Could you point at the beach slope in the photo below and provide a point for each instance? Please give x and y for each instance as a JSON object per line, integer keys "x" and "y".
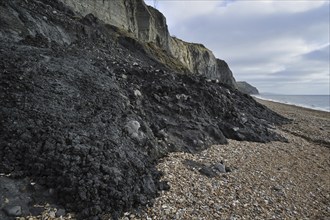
{"x": 267, "y": 181}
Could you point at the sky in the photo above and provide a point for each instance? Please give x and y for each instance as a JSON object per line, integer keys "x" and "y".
{"x": 279, "y": 46}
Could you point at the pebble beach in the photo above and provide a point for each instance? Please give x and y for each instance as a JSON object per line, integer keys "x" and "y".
{"x": 274, "y": 180}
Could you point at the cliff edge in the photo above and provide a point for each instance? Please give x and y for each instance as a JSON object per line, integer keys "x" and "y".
{"x": 149, "y": 26}
{"x": 247, "y": 88}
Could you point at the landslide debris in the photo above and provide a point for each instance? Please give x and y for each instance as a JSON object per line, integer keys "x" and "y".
{"x": 86, "y": 112}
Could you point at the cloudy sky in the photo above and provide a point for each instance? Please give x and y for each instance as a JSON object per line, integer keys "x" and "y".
{"x": 279, "y": 46}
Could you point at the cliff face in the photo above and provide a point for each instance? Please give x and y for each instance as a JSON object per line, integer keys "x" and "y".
{"x": 149, "y": 25}
{"x": 144, "y": 22}
{"x": 225, "y": 74}
{"x": 247, "y": 88}
{"x": 87, "y": 112}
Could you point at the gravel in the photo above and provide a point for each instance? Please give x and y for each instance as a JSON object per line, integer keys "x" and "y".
{"x": 268, "y": 181}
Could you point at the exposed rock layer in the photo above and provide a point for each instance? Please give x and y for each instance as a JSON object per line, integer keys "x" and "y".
{"x": 87, "y": 113}
{"x": 149, "y": 25}
{"x": 247, "y": 88}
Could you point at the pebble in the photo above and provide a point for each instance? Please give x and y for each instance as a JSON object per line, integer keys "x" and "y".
{"x": 207, "y": 171}
{"x": 60, "y": 212}
{"x": 220, "y": 167}
{"x": 137, "y": 93}
{"x": 252, "y": 191}
{"x": 52, "y": 214}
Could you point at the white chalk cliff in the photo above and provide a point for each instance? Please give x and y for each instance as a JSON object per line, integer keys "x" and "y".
{"x": 148, "y": 25}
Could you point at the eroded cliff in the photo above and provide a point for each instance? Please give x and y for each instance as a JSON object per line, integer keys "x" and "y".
{"x": 247, "y": 88}
{"x": 149, "y": 26}
{"x": 87, "y": 113}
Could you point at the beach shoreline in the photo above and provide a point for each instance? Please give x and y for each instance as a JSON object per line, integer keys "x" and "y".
{"x": 311, "y": 124}
{"x": 275, "y": 105}
{"x": 273, "y": 180}
{"x": 295, "y": 104}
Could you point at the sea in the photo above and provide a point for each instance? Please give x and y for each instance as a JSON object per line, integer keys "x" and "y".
{"x": 317, "y": 102}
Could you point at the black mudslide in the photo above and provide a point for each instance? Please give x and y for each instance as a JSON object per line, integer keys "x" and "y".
{"x": 87, "y": 113}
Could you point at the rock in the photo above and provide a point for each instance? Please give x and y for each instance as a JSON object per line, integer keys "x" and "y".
{"x": 201, "y": 61}
{"x": 14, "y": 211}
{"x": 247, "y": 88}
{"x": 224, "y": 74}
{"x": 193, "y": 164}
{"x": 60, "y": 212}
{"x": 52, "y": 214}
{"x": 35, "y": 211}
{"x": 207, "y": 171}
{"x": 162, "y": 134}
{"x": 123, "y": 76}
{"x": 244, "y": 120}
{"x": 181, "y": 97}
{"x": 228, "y": 169}
{"x": 277, "y": 188}
{"x": 163, "y": 186}
{"x": 137, "y": 93}
{"x": 220, "y": 167}
{"x": 132, "y": 127}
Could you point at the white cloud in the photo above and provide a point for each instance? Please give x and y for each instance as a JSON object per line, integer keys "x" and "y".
{"x": 296, "y": 6}
{"x": 184, "y": 10}
{"x": 281, "y": 42}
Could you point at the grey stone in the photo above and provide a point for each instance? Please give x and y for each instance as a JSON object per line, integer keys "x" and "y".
{"x": 220, "y": 167}
{"x": 244, "y": 120}
{"x": 123, "y": 76}
{"x": 60, "y": 212}
{"x": 228, "y": 169}
{"x": 182, "y": 97}
{"x": 137, "y": 93}
{"x": 13, "y": 210}
{"x": 132, "y": 127}
{"x": 36, "y": 210}
{"x": 277, "y": 188}
{"x": 207, "y": 171}
{"x": 52, "y": 214}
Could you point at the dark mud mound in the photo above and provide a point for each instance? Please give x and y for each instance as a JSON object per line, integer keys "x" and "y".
{"x": 88, "y": 117}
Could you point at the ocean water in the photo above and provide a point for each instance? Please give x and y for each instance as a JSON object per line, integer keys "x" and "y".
{"x": 317, "y": 102}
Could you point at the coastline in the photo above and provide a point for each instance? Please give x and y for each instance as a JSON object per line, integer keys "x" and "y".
{"x": 258, "y": 97}
{"x": 282, "y": 108}
{"x": 311, "y": 124}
